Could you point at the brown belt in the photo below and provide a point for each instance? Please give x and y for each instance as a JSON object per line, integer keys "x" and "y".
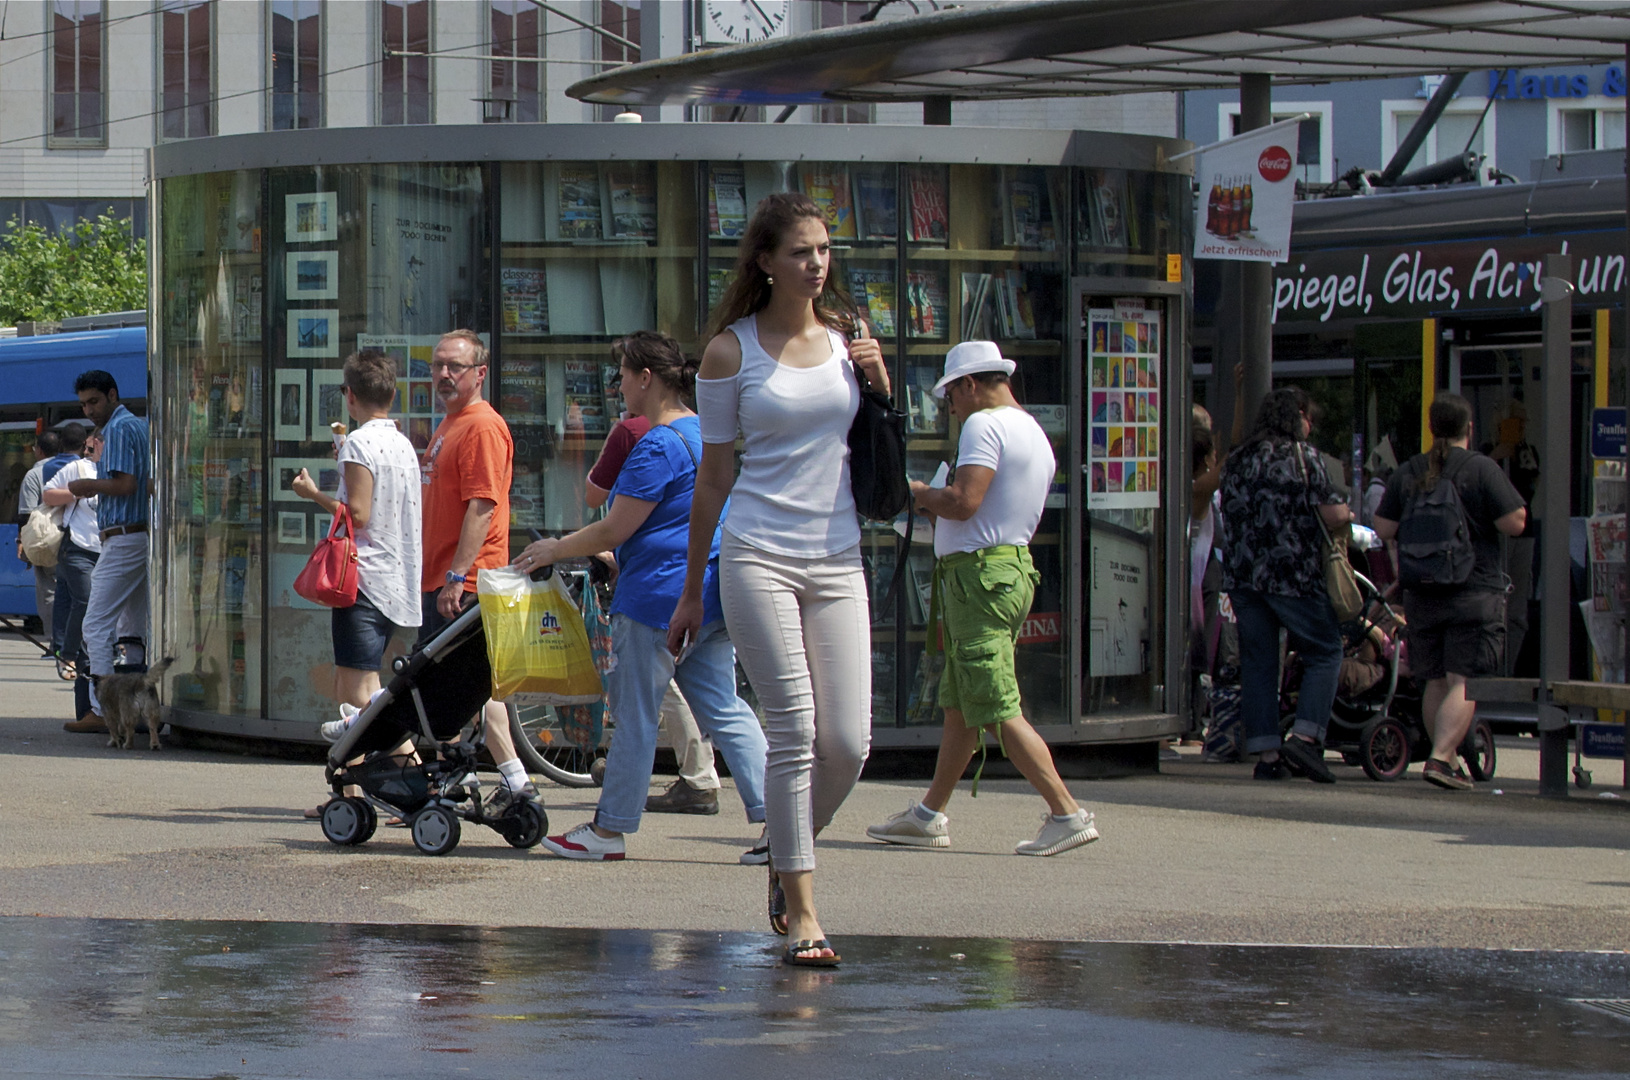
{"x": 121, "y": 530}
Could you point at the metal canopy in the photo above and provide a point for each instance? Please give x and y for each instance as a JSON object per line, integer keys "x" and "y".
{"x": 1079, "y": 48}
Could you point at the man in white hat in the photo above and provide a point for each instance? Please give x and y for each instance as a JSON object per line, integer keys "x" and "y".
{"x": 984, "y": 582}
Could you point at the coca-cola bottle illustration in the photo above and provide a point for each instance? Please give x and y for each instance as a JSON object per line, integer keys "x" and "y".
{"x": 1247, "y": 225}
{"x": 1214, "y": 207}
{"x": 1236, "y": 216}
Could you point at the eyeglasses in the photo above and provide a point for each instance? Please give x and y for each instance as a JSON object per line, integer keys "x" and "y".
{"x": 454, "y": 370}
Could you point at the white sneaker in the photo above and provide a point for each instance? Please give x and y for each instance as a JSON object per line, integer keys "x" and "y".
{"x": 1057, "y": 836}
{"x": 907, "y": 828}
{"x": 584, "y": 843}
{"x": 335, "y": 729}
{"x": 759, "y": 853}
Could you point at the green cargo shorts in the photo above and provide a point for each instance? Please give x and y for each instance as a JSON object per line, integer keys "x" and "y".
{"x": 984, "y": 597}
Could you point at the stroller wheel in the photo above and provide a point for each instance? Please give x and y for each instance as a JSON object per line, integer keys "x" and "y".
{"x": 349, "y": 821}
{"x": 1383, "y": 749}
{"x": 435, "y": 830}
{"x": 1478, "y": 751}
{"x": 526, "y": 826}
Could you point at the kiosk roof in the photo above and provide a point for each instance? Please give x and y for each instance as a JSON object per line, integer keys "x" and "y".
{"x": 1062, "y": 48}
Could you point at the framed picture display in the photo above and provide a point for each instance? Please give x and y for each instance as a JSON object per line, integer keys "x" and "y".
{"x": 1123, "y": 406}
{"x": 327, "y": 404}
{"x": 313, "y": 275}
{"x": 313, "y": 333}
{"x": 311, "y": 218}
{"x": 291, "y": 527}
{"x": 289, "y": 405}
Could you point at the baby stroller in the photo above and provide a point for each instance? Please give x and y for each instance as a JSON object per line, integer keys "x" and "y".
{"x": 1376, "y": 721}
{"x": 436, "y": 691}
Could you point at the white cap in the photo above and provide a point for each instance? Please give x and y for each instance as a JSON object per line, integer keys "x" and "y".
{"x": 970, "y": 357}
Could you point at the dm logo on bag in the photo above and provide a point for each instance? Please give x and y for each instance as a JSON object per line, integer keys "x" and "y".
{"x": 548, "y": 624}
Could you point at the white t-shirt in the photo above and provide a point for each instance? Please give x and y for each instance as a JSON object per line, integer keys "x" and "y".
{"x": 1010, "y": 442}
{"x": 79, "y": 516}
{"x": 389, "y": 552}
{"x": 792, "y": 496}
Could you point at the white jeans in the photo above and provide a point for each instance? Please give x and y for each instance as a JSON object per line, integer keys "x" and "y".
{"x": 802, "y": 631}
{"x": 118, "y": 588}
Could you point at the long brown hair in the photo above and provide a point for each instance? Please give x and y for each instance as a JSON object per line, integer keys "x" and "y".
{"x": 1448, "y": 418}
{"x": 749, "y": 288}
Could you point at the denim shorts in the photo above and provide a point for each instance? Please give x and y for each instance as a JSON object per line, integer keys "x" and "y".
{"x": 1461, "y": 632}
{"x": 985, "y": 597}
{"x": 361, "y": 633}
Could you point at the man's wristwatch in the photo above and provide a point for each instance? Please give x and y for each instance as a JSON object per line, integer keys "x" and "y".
{"x": 456, "y": 579}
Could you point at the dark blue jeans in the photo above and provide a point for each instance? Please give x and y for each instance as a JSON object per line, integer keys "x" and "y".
{"x": 1311, "y": 624}
{"x": 74, "y": 568}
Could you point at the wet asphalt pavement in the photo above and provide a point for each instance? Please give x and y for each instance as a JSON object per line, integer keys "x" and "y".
{"x": 150, "y": 999}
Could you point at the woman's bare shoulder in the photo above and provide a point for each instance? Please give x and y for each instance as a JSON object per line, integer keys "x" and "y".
{"x": 722, "y": 357}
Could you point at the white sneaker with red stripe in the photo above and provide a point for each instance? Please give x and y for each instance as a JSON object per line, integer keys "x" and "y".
{"x": 584, "y": 843}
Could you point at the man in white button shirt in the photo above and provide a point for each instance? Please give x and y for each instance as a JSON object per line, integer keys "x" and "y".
{"x": 984, "y": 582}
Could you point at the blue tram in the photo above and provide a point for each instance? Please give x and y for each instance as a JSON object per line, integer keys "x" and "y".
{"x": 37, "y": 391}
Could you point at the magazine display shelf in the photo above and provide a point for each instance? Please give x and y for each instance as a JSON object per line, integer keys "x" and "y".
{"x": 554, "y": 240}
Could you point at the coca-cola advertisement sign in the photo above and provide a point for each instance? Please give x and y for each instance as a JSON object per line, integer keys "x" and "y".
{"x": 1247, "y": 187}
{"x": 1274, "y": 164}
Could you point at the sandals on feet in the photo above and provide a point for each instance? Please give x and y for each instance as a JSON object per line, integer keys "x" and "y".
{"x": 778, "y": 904}
{"x": 790, "y": 957}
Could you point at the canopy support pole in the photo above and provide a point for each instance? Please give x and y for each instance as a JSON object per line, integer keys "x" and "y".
{"x": 1256, "y": 278}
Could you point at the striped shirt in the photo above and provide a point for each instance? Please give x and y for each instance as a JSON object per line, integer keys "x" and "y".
{"x": 125, "y": 449}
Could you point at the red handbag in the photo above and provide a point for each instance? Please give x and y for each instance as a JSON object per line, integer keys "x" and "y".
{"x": 330, "y": 576}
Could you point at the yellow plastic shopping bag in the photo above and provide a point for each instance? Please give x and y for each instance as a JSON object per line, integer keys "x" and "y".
{"x": 535, "y": 639}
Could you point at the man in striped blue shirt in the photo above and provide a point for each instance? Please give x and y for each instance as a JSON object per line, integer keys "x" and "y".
{"x": 118, "y": 599}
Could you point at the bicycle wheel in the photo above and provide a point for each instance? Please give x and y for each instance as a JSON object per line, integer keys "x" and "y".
{"x": 542, "y": 749}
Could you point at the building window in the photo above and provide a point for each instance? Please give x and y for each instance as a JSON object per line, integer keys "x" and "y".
{"x": 844, "y": 13}
{"x": 1590, "y": 123}
{"x": 1314, "y": 143}
{"x": 404, "y": 81}
{"x": 1463, "y": 126}
{"x": 187, "y": 77}
{"x": 297, "y": 64}
{"x": 515, "y": 92}
{"x": 620, "y": 17}
{"x": 78, "y": 113}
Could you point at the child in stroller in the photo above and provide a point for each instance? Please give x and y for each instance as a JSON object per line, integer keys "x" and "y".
{"x": 1376, "y": 721}
{"x": 436, "y": 691}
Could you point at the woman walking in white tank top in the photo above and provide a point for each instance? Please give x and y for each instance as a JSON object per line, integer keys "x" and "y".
{"x": 777, "y": 369}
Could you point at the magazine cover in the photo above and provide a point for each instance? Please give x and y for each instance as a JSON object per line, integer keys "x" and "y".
{"x": 875, "y": 209}
{"x": 928, "y": 308}
{"x": 873, "y": 294}
{"x": 828, "y": 185}
{"x": 1106, "y": 195}
{"x": 726, "y": 202}
{"x": 1024, "y": 211}
{"x": 925, "y": 188}
{"x": 525, "y": 300}
{"x": 718, "y": 279}
{"x": 580, "y": 202}
{"x": 584, "y": 400}
{"x": 633, "y": 200}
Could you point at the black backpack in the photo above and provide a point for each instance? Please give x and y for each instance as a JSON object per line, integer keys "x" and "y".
{"x": 1435, "y": 537}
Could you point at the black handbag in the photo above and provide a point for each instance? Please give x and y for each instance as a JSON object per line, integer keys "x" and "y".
{"x": 877, "y": 455}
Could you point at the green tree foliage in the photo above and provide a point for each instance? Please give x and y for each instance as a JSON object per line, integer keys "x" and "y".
{"x": 93, "y": 268}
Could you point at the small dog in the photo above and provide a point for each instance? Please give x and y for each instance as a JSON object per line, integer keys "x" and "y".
{"x": 130, "y": 700}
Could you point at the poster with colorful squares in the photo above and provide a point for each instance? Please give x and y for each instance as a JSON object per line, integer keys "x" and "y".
{"x": 1123, "y": 364}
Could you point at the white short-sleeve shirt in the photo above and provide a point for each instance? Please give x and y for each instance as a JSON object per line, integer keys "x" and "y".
{"x": 389, "y": 550}
{"x": 1009, "y": 442}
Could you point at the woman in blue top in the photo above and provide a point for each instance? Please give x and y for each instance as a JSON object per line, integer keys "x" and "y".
{"x": 649, "y": 523}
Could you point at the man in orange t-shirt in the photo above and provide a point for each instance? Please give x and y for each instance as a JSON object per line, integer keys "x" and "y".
{"x": 466, "y": 474}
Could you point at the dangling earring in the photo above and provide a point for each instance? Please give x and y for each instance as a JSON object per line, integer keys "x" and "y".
{"x": 768, "y": 280}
